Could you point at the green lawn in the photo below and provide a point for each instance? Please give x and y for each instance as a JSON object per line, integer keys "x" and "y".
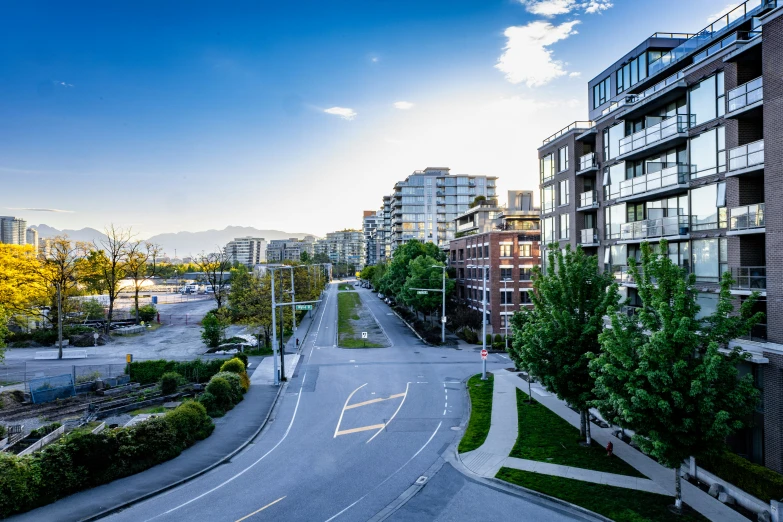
{"x": 348, "y": 305}
{"x": 259, "y": 351}
{"x": 620, "y": 504}
{"x": 545, "y": 437}
{"x": 151, "y": 409}
{"x": 480, "y": 412}
{"x": 345, "y": 287}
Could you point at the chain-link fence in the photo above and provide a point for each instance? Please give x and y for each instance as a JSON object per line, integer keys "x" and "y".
{"x": 181, "y": 319}
{"x": 20, "y": 375}
{"x": 14, "y": 373}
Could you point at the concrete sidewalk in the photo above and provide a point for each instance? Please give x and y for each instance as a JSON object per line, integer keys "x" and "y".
{"x": 487, "y": 460}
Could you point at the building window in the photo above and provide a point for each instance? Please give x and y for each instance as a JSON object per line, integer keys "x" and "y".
{"x": 548, "y": 226}
{"x": 631, "y": 73}
{"x": 506, "y": 250}
{"x": 525, "y": 274}
{"x": 706, "y": 99}
{"x": 562, "y": 159}
{"x": 564, "y": 193}
{"x": 486, "y": 250}
{"x": 547, "y": 167}
{"x": 710, "y": 259}
{"x": 565, "y": 230}
{"x": 611, "y": 140}
{"x": 706, "y": 203}
{"x": 525, "y": 250}
{"x": 601, "y": 92}
{"x": 461, "y": 254}
{"x": 524, "y": 297}
{"x": 506, "y": 297}
{"x": 614, "y": 218}
{"x": 548, "y": 198}
{"x": 505, "y": 273}
{"x": 504, "y": 323}
{"x": 708, "y": 153}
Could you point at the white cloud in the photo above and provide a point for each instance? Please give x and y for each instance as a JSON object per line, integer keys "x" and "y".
{"x": 551, "y": 8}
{"x": 726, "y": 10}
{"x": 343, "y": 112}
{"x": 574, "y": 74}
{"x": 525, "y": 57}
{"x": 42, "y": 210}
{"x": 403, "y": 105}
{"x": 64, "y": 84}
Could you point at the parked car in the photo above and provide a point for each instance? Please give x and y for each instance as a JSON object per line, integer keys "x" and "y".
{"x": 380, "y": 295}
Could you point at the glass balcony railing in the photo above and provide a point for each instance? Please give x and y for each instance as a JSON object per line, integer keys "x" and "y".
{"x": 649, "y": 228}
{"x": 570, "y": 127}
{"x": 666, "y": 177}
{"x": 749, "y": 278}
{"x": 746, "y": 94}
{"x": 588, "y": 236}
{"x": 655, "y": 133}
{"x": 713, "y": 31}
{"x": 746, "y": 156}
{"x": 674, "y": 78}
{"x": 588, "y": 198}
{"x": 587, "y": 161}
{"x": 747, "y": 217}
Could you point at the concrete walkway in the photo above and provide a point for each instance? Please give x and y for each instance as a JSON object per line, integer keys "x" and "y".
{"x": 487, "y": 460}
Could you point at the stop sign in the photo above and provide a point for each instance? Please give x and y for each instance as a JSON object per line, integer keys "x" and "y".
{"x": 484, "y": 354}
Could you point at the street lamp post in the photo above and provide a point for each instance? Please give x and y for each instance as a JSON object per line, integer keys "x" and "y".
{"x": 483, "y": 317}
{"x": 443, "y": 305}
{"x": 274, "y": 330}
{"x": 505, "y": 309}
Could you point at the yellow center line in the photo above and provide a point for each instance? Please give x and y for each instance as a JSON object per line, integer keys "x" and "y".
{"x": 363, "y": 428}
{"x": 260, "y": 510}
{"x": 373, "y": 401}
{"x": 340, "y": 420}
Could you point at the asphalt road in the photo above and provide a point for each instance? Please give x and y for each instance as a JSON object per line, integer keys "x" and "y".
{"x": 354, "y": 430}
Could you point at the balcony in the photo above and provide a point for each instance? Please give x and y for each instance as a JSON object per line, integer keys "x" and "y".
{"x": 675, "y": 227}
{"x": 588, "y": 237}
{"x": 671, "y": 178}
{"x": 746, "y": 158}
{"x": 656, "y": 137}
{"x": 749, "y": 279}
{"x": 746, "y": 220}
{"x": 664, "y": 91}
{"x": 587, "y": 164}
{"x": 569, "y": 128}
{"x": 745, "y": 98}
{"x": 588, "y": 200}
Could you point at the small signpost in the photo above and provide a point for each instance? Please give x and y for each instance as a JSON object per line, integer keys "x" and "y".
{"x": 422, "y": 292}
{"x": 364, "y": 336}
{"x": 484, "y": 354}
{"x": 300, "y": 307}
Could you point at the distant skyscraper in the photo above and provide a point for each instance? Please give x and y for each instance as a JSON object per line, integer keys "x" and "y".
{"x": 32, "y": 238}
{"x": 248, "y": 251}
{"x": 372, "y": 227}
{"x": 13, "y": 230}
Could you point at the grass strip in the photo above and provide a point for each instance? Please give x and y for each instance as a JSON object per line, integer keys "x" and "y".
{"x": 480, "y": 412}
{"x": 545, "y": 437}
{"x": 620, "y": 504}
{"x": 151, "y": 409}
{"x": 347, "y": 305}
{"x": 345, "y": 287}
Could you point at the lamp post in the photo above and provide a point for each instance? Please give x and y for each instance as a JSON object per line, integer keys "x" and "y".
{"x": 483, "y": 317}
{"x": 505, "y": 309}
{"x": 274, "y": 330}
{"x": 443, "y": 305}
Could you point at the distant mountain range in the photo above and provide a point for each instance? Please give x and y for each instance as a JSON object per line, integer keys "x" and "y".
{"x": 183, "y": 243}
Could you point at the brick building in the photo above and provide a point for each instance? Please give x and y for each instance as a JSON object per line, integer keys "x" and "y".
{"x": 510, "y": 248}
{"x": 685, "y": 143}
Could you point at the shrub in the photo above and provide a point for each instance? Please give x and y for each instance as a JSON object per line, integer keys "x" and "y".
{"x": 212, "y": 328}
{"x": 489, "y": 339}
{"x": 237, "y": 390}
{"x": 233, "y": 365}
{"x": 752, "y": 478}
{"x": 3, "y": 431}
{"x": 497, "y": 340}
{"x": 209, "y": 402}
{"x": 469, "y": 335}
{"x": 43, "y": 431}
{"x": 221, "y": 389}
{"x": 150, "y": 372}
{"x": 190, "y": 422}
{"x": 147, "y": 313}
{"x": 242, "y": 357}
{"x": 169, "y": 382}
{"x": 93, "y": 310}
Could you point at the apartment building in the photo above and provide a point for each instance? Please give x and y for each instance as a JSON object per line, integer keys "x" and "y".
{"x": 279, "y": 250}
{"x": 344, "y": 246}
{"x": 372, "y": 227}
{"x": 675, "y": 149}
{"x": 507, "y": 242}
{"x": 13, "y": 230}
{"x": 248, "y": 251}
{"x": 31, "y": 236}
{"x": 425, "y": 205}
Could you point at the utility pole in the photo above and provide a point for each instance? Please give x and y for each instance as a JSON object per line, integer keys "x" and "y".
{"x": 274, "y": 329}
{"x": 443, "y": 305}
{"x": 505, "y": 309}
{"x": 293, "y": 298}
{"x": 59, "y": 320}
{"x": 484, "y": 322}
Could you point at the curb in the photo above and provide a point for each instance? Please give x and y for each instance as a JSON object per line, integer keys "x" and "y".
{"x": 119, "y": 507}
{"x": 409, "y": 326}
{"x": 508, "y": 487}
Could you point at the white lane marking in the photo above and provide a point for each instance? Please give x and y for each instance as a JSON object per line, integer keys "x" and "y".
{"x": 503, "y": 356}
{"x": 407, "y": 385}
{"x": 390, "y": 476}
{"x": 340, "y": 420}
{"x": 444, "y": 412}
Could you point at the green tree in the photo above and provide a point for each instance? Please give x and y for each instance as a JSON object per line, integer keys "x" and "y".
{"x": 213, "y": 327}
{"x": 321, "y": 258}
{"x": 304, "y": 257}
{"x": 554, "y": 340}
{"x": 3, "y": 332}
{"x": 398, "y": 270}
{"x": 661, "y": 372}
{"x": 378, "y": 273}
{"x": 422, "y": 274}
{"x": 141, "y": 264}
{"x": 216, "y": 268}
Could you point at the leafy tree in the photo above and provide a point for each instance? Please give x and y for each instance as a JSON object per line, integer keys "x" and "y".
{"x": 21, "y": 288}
{"x": 304, "y": 257}
{"x": 378, "y": 273}
{"x": 141, "y": 264}
{"x": 368, "y": 272}
{"x": 321, "y": 258}
{"x": 662, "y": 373}
{"x": 477, "y": 201}
{"x": 555, "y": 339}
{"x": 424, "y": 275}
{"x": 215, "y": 267}
{"x": 398, "y": 270}
{"x": 92, "y": 310}
{"x": 461, "y": 316}
{"x": 111, "y": 264}
{"x": 213, "y": 328}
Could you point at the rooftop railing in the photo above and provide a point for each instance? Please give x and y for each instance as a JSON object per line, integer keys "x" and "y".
{"x": 587, "y": 161}
{"x": 749, "y": 278}
{"x": 572, "y": 126}
{"x": 666, "y": 177}
{"x": 747, "y": 217}
{"x": 661, "y": 227}
{"x": 655, "y": 133}
{"x": 745, "y": 156}
{"x": 746, "y": 94}
{"x": 717, "y": 28}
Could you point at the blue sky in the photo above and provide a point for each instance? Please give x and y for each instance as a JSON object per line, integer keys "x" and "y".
{"x": 169, "y": 116}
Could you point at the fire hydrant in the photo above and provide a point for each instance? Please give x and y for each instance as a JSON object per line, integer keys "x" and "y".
{"x": 609, "y": 449}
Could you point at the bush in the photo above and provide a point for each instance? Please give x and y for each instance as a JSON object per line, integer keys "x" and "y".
{"x": 3, "y": 431}
{"x": 82, "y": 460}
{"x": 222, "y": 391}
{"x": 43, "y": 431}
{"x": 235, "y": 381}
{"x": 150, "y": 372}
{"x": 498, "y": 339}
{"x": 169, "y": 382}
{"x": 242, "y": 357}
{"x": 489, "y": 339}
{"x": 93, "y": 310}
{"x": 147, "y": 313}
{"x": 754, "y": 479}
{"x": 212, "y": 328}
{"x": 469, "y": 335}
{"x": 234, "y": 365}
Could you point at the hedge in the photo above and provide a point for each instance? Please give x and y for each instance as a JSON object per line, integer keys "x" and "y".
{"x": 150, "y": 372}
{"x": 223, "y": 392}
{"x": 83, "y": 460}
{"x": 754, "y": 479}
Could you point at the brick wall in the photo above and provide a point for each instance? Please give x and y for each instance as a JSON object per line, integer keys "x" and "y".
{"x": 773, "y": 412}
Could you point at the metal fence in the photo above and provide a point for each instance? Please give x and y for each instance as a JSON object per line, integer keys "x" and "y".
{"x": 46, "y": 389}
{"x": 23, "y": 375}
{"x": 182, "y": 319}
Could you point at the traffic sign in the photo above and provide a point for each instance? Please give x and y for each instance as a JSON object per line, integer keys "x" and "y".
{"x": 443, "y": 319}
{"x": 304, "y": 307}
{"x": 364, "y": 335}
{"x": 420, "y": 292}
{"x": 484, "y": 354}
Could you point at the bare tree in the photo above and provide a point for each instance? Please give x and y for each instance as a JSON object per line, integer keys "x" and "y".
{"x": 141, "y": 264}
{"x": 215, "y": 266}
{"x": 112, "y": 263}
{"x": 59, "y": 269}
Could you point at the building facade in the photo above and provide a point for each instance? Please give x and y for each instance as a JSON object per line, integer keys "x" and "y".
{"x": 248, "y": 251}
{"x": 13, "y": 230}
{"x": 425, "y": 205}
{"x": 509, "y": 248}
{"x": 684, "y": 144}
{"x": 279, "y": 250}
{"x": 32, "y": 238}
{"x": 344, "y": 247}
{"x": 372, "y": 226}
